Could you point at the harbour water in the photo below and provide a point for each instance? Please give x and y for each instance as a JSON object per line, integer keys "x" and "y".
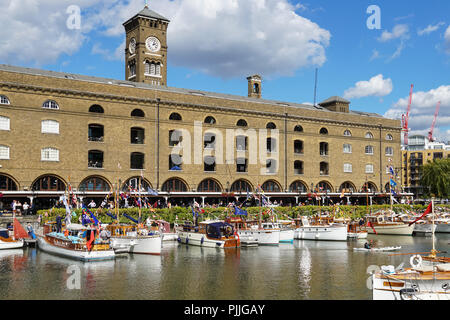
{"x": 304, "y": 270}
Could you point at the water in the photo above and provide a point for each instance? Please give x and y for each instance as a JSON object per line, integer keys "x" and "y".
{"x": 304, "y": 270}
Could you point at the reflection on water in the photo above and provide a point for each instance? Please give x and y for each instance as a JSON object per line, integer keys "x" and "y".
{"x": 303, "y": 270}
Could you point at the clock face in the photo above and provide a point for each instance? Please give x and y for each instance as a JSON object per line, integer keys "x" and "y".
{"x": 153, "y": 44}
{"x": 132, "y": 46}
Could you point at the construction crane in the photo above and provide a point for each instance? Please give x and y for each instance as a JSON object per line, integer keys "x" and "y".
{"x": 405, "y": 119}
{"x": 430, "y": 133}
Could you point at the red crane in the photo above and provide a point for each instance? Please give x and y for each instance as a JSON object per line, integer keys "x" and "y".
{"x": 430, "y": 133}
{"x": 405, "y": 119}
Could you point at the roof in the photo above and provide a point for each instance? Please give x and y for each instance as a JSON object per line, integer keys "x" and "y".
{"x": 147, "y": 13}
{"x": 142, "y": 85}
{"x": 334, "y": 99}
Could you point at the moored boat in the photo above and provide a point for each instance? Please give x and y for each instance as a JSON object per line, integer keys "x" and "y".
{"x": 319, "y": 230}
{"x": 136, "y": 238}
{"x": 355, "y": 231}
{"x": 387, "y": 223}
{"x": 17, "y": 239}
{"x": 211, "y": 233}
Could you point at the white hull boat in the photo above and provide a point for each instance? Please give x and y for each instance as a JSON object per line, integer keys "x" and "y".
{"x": 6, "y": 245}
{"x": 357, "y": 235}
{"x": 209, "y": 234}
{"x": 138, "y": 244}
{"x": 443, "y": 228}
{"x": 287, "y": 236}
{"x": 329, "y": 233}
{"x": 83, "y": 255}
{"x": 262, "y": 236}
{"x": 378, "y": 249}
{"x": 169, "y": 236}
{"x": 402, "y": 229}
{"x": 424, "y": 228}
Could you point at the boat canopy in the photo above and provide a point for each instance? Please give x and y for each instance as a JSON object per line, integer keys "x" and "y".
{"x": 218, "y": 229}
{"x": 4, "y": 233}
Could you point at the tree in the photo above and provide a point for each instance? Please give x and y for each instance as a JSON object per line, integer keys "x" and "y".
{"x": 436, "y": 178}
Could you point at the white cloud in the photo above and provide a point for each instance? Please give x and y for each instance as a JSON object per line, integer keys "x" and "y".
{"x": 400, "y": 31}
{"x": 376, "y": 86}
{"x": 423, "y": 106}
{"x": 429, "y": 29}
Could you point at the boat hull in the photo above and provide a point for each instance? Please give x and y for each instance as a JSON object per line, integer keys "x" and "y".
{"x": 169, "y": 236}
{"x": 424, "y": 228}
{"x": 138, "y": 245}
{"x": 286, "y": 236}
{"x": 5, "y": 245}
{"x": 443, "y": 228}
{"x": 328, "y": 233}
{"x": 395, "y": 229}
{"x": 201, "y": 240}
{"x": 83, "y": 255}
{"x": 262, "y": 236}
{"x": 357, "y": 235}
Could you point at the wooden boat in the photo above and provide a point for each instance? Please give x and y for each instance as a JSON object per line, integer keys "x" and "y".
{"x": 135, "y": 239}
{"x": 239, "y": 224}
{"x": 378, "y": 249}
{"x": 77, "y": 242}
{"x": 17, "y": 240}
{"x": 355, "y": 231}
{"x": 264, "y": 236}
{"x": 387, "y": 223}
{"x": 319, "y": 229}
{"x": 212, "y": 233}
{"x": 163, "y": 227}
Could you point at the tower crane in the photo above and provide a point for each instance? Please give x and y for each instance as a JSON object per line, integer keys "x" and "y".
{"x": 430, "y": 133}
{"x": 405, "y": 119}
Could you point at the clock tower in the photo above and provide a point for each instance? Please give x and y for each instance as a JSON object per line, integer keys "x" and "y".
{"x": 146, "y": 48}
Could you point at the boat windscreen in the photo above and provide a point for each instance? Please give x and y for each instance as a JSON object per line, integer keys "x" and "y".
{"x": 219, "y": 229}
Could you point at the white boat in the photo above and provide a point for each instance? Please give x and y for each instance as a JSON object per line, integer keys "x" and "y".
{"x": 6, "y": 242}
{"x": 78, "y": 242}
{"x": 286, "y": 235}
{"x": 443, "y": 223}
{"x": 354, "y": 231}
{"x": 211, "y": 233}
{"x": 163, "y": 227}
{"x": 287, "y": 229}
{"x": 323, "y": 231}
{"x": 387, "y": 223}
{"x": 134, "y": 239}
{"x": 424, "y": 227}
{"x": 378, "y": 249}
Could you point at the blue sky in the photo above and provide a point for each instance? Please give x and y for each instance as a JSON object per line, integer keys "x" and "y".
{"x": 282, "y": 40}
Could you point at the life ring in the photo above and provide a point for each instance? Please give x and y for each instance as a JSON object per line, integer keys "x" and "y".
{"x": 414, "y": 263}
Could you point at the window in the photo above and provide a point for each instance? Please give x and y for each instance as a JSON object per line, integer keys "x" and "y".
{"x": 49, "y": 154}
{"x": 324, "y": 169}
{"x": 147, "y": 67}
{"x": 324, "y": 186}
{"x": 132, "y": 67}
{"x": 347, "y": 133}
{"x": 241, "y": 186}
{"x": 96, "y": 109}
{"x": 389, "y": 137}
{"x": 137, "y": 160}
{"x": 210, "y": 120}
{"x": 209, "y": 164}
{"x": 209, "y": 185}
{"x": 95, "y": 159}
{"x": 50, "y": 126}
{"x": 369, "y": 168}
{"x": 298, "y": 147}
{"x": 133, "y": 184}
{"x": 241, "y": 123}
{"x": 138, "y": 113}
{"x": 175, "y": 137}
{"x": 323, "y": 148}
{"x": 94, "y": 184}
{"x": 158, "y": 69}
{"x": 209, "y": 141}
{"x": 4, "y": 99}
{"x": 347, "y": 187}
{"x": 298, "y": 128}
{"x": 271, "y": 144}
{"x": 241, "y": 165}
{"x": 4, "y": 153}
{"x": 4, "y": 123}
{"x": 271, "y": 125}
{"x": 298, "y": 167}
{"x": 271, "y": 186}
{"x": 174, "y": 185}
{"x": 137, "y": 136}
{"x": 389, "y": 151}
{"x": 347, "y": 148}
{"x": 368, "y": 150}
{"x": 369, "y": 135}
{"x": 298, "y": 186}
{"x": 49, "y": 183}
{"x": 7, "y": 184}
{"x": 175, "y": 117}
{"x": 323, "y": 131}
{"x": 95, "y": 132}
{"x": 175, "y": 162}
{"x": 50, "y": 104}
{"x": 271, "y": 166}
{"x": 348, "y": 167}
{"x": 241, "y": 143}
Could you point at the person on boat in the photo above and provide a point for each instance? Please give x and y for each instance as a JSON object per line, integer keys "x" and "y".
{"x": 58, "y": 223}
{"x": 367, "y": 245}
{"x": 103, "y": 234}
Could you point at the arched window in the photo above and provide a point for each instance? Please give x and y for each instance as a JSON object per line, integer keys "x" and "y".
{"x": 96, "y": 132}
{"x": 5, "y": 123}
{"x": 241, "y": 186}
{"x": 175, "y": 117}
{"x": 96, "y": 108}
{"x": 347, "y": 133}
{"x": 132, "y": 67}
{"x": 298, "y": 186}
{"x": 210, "y": 120}
{"x": 138, "y": 113}
{"x": 137, "y": 160}
{"x": 49, "y": 154}
{"x": 50, "y": 104}
{"x": 95, "y": 159}
{"x": 209, "y": 185}
{"x": 174, "y": 185}
{"x": 132, "y": 184}
{"x": 324, "y": 169}
{"x": 94, "y": 184}
{"x": 50, "y": 126}
{"x": 323, "y": 148}
{"x": 4, "y": 99}
{"x": 137, "y": 135}
{"x": 241, "y": 123}
{"x": 4, "y": 152}
{"x": 298, "y": 167}
{"x": 369, "y": 135}
{"x": 7, "y": 183}
{"x": 323, "y": 131}
{"x": 158, "y": 69}
{"x": 347, "y": 187}
{"x": 324, "y": 186}
{"x": 298, "y": 128}
{"x": 389, "y": 137}
{"x": 271, "y": 186}
{"x": 271, "y": 125}
{"x": 369, "y": 187}
{"x": 49, "y": 183}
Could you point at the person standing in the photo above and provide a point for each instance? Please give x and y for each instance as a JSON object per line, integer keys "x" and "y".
{"x": 58, "y": 223}
{"x": 13, "y": 206}
{"x": 25, "y": 206}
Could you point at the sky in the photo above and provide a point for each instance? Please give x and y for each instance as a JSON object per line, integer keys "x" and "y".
{"x": 369, "y": 52}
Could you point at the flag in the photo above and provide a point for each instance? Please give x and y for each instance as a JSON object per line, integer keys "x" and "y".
{"x": 391, "y": 170}
{"x": 94, "y": 219}
{"x": 91, "y": 239}
{"x": 429, "y": 209}
{"x": 66, "y": 204}
{"x": 371, "y": 225}
{"x": 393, "y": 183}
{"x": 152, "y": 192}
{"x": 194, "y": 213}
{"x": 239, "y": 212}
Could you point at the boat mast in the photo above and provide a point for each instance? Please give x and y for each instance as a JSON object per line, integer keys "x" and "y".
{"x": 433, "y": 250}
{"x": 140, "y": 205}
